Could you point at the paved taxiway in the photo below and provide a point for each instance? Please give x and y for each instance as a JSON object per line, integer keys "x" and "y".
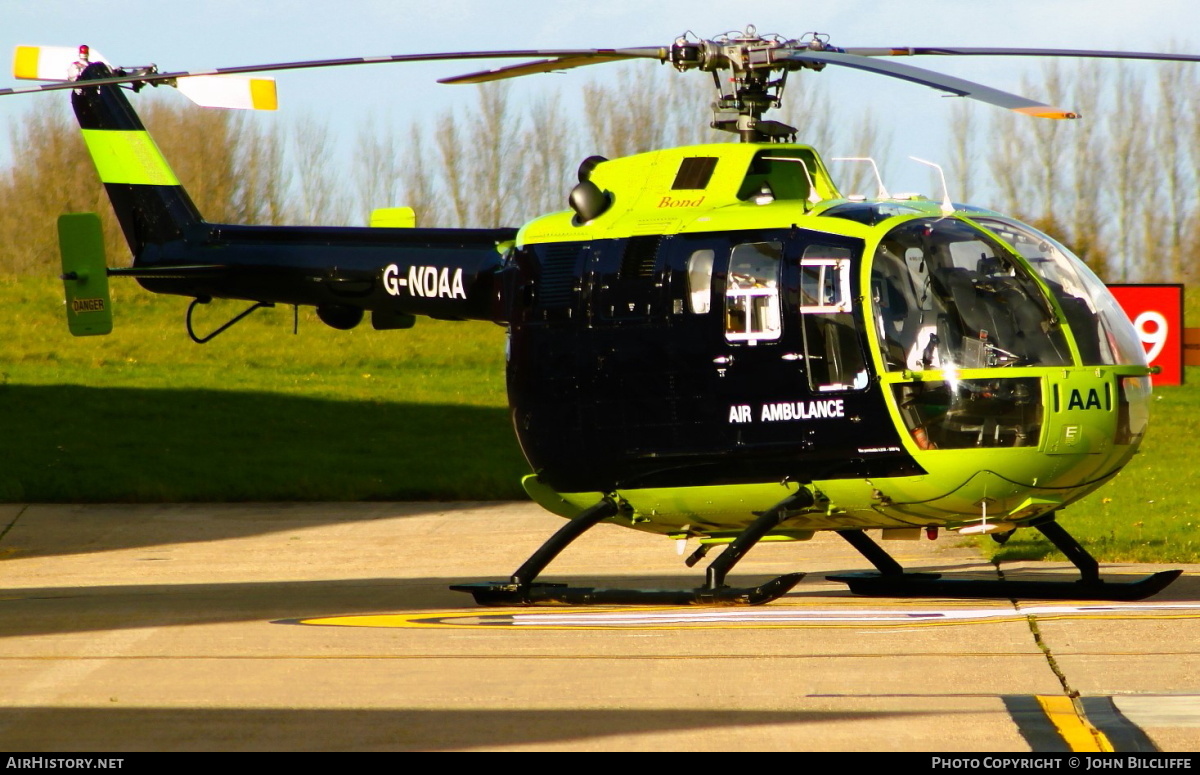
{"x": 330, "y": 627}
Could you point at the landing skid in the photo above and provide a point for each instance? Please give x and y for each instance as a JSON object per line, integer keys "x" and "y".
{"x": 921, "y": 585}
{"x": 561, "y": 594}
{"x": 521, "y": 589}
{"x": 892, "y": 581}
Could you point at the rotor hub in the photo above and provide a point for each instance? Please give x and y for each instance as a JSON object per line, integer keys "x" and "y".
{"x": 755, "y": 80}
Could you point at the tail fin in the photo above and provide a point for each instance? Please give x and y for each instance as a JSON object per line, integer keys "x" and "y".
{"x": 151, "y": 205}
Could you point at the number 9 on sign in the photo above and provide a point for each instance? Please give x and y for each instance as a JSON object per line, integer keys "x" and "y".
{"x": 1156, "y": 311}
{"x": 1152, "y": 331}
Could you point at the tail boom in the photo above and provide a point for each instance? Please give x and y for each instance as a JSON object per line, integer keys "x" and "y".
{"x": 450, "y": 274}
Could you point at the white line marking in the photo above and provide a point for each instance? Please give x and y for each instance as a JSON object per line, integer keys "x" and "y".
{"x": 782, "y": 615}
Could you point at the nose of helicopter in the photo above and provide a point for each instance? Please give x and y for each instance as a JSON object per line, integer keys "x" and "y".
{"x": 1019, "y": 382}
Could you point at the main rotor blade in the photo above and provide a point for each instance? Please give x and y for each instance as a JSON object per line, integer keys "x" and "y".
{"x": 552, "y": 65}
{"x": 947, "y": 83}
{"x": 598, "y": 54}
{"x": 1020, "y": 52}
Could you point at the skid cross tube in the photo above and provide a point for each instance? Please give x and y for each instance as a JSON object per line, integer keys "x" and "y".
{"x": 521, "y": 589}
{"x": 1089, "y": 569}
{"x": 878, "y": 557}
{"x": 546, "y": 553}
{"x": 766, "y": 522}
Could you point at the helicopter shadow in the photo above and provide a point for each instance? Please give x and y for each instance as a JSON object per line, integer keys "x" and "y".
{"x": 66, "y": 609}
{"x": 73, "y": 609}
{"x": 75, "y": 444}
{"x": 410, "y": 729}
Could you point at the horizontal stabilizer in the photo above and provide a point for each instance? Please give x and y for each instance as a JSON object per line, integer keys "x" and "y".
{"x": 394, "y": 218}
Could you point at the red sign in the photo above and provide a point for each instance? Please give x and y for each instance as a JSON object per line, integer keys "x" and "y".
{"x": 1157, "y": 315}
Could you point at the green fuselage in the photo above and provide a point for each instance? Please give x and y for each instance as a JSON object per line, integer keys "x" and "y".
{"x": 729, "y": 328}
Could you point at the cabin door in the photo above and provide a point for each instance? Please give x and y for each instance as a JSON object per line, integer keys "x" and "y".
{"x": 790, "y": 351}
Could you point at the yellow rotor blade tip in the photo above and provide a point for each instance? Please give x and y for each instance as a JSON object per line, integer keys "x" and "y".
{"x": 25, "y": 62}
{"x": 262, "y": 94}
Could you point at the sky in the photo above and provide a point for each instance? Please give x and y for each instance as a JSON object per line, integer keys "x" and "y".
{"x": 202, "y": 34}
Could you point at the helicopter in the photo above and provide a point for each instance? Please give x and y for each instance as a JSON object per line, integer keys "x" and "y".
{"x": 712, "y": 343}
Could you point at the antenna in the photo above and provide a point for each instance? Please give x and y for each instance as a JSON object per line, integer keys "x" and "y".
{"x": 947, "y": 207}
{"x": 881, "y": 191}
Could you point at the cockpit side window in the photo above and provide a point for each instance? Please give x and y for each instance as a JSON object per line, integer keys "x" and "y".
{"x": 832, "y": 350}
{"x": 752, "y": 293}
{"x": 945, "y": 295}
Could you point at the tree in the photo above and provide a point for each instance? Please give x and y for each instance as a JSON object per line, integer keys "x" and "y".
{"x": 1120, "y": 185}
{"x": 963, "y": 125}
{"x": 233, "y": 170}
{"x": 51, "y": 174}
{"x": 319, "y": 198}
{"x": 550, "y": 152}
{"x": 1088, "y": 167}
{"x": 496, "y": 158}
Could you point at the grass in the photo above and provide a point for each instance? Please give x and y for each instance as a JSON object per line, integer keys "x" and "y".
{"x": 256, "y": 414}
{"x": 145, "y": 415}
{"x": 1151, "y": 511}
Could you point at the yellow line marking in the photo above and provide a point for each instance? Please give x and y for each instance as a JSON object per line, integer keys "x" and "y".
{"x": 529, "y": 621}
{"x": 707, "y": 658}
{"x": 1070, "y": 722}
{"x": 732, "y": 619}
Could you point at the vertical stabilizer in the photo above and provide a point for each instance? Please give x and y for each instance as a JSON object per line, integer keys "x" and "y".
{"x": 150, "y": 204}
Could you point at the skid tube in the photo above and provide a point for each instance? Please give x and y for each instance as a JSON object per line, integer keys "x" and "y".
{"x": 892, "y": 581}
{"x": 521, "y": 589}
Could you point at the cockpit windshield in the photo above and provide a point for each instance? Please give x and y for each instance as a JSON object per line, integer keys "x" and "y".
{"x": 947, "y": 295}
{"x": 1101, "y": 329}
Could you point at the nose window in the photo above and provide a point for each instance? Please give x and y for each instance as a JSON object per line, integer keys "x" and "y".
{"x": 945, "y": 295}
{"x": 1102, "y": 333}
